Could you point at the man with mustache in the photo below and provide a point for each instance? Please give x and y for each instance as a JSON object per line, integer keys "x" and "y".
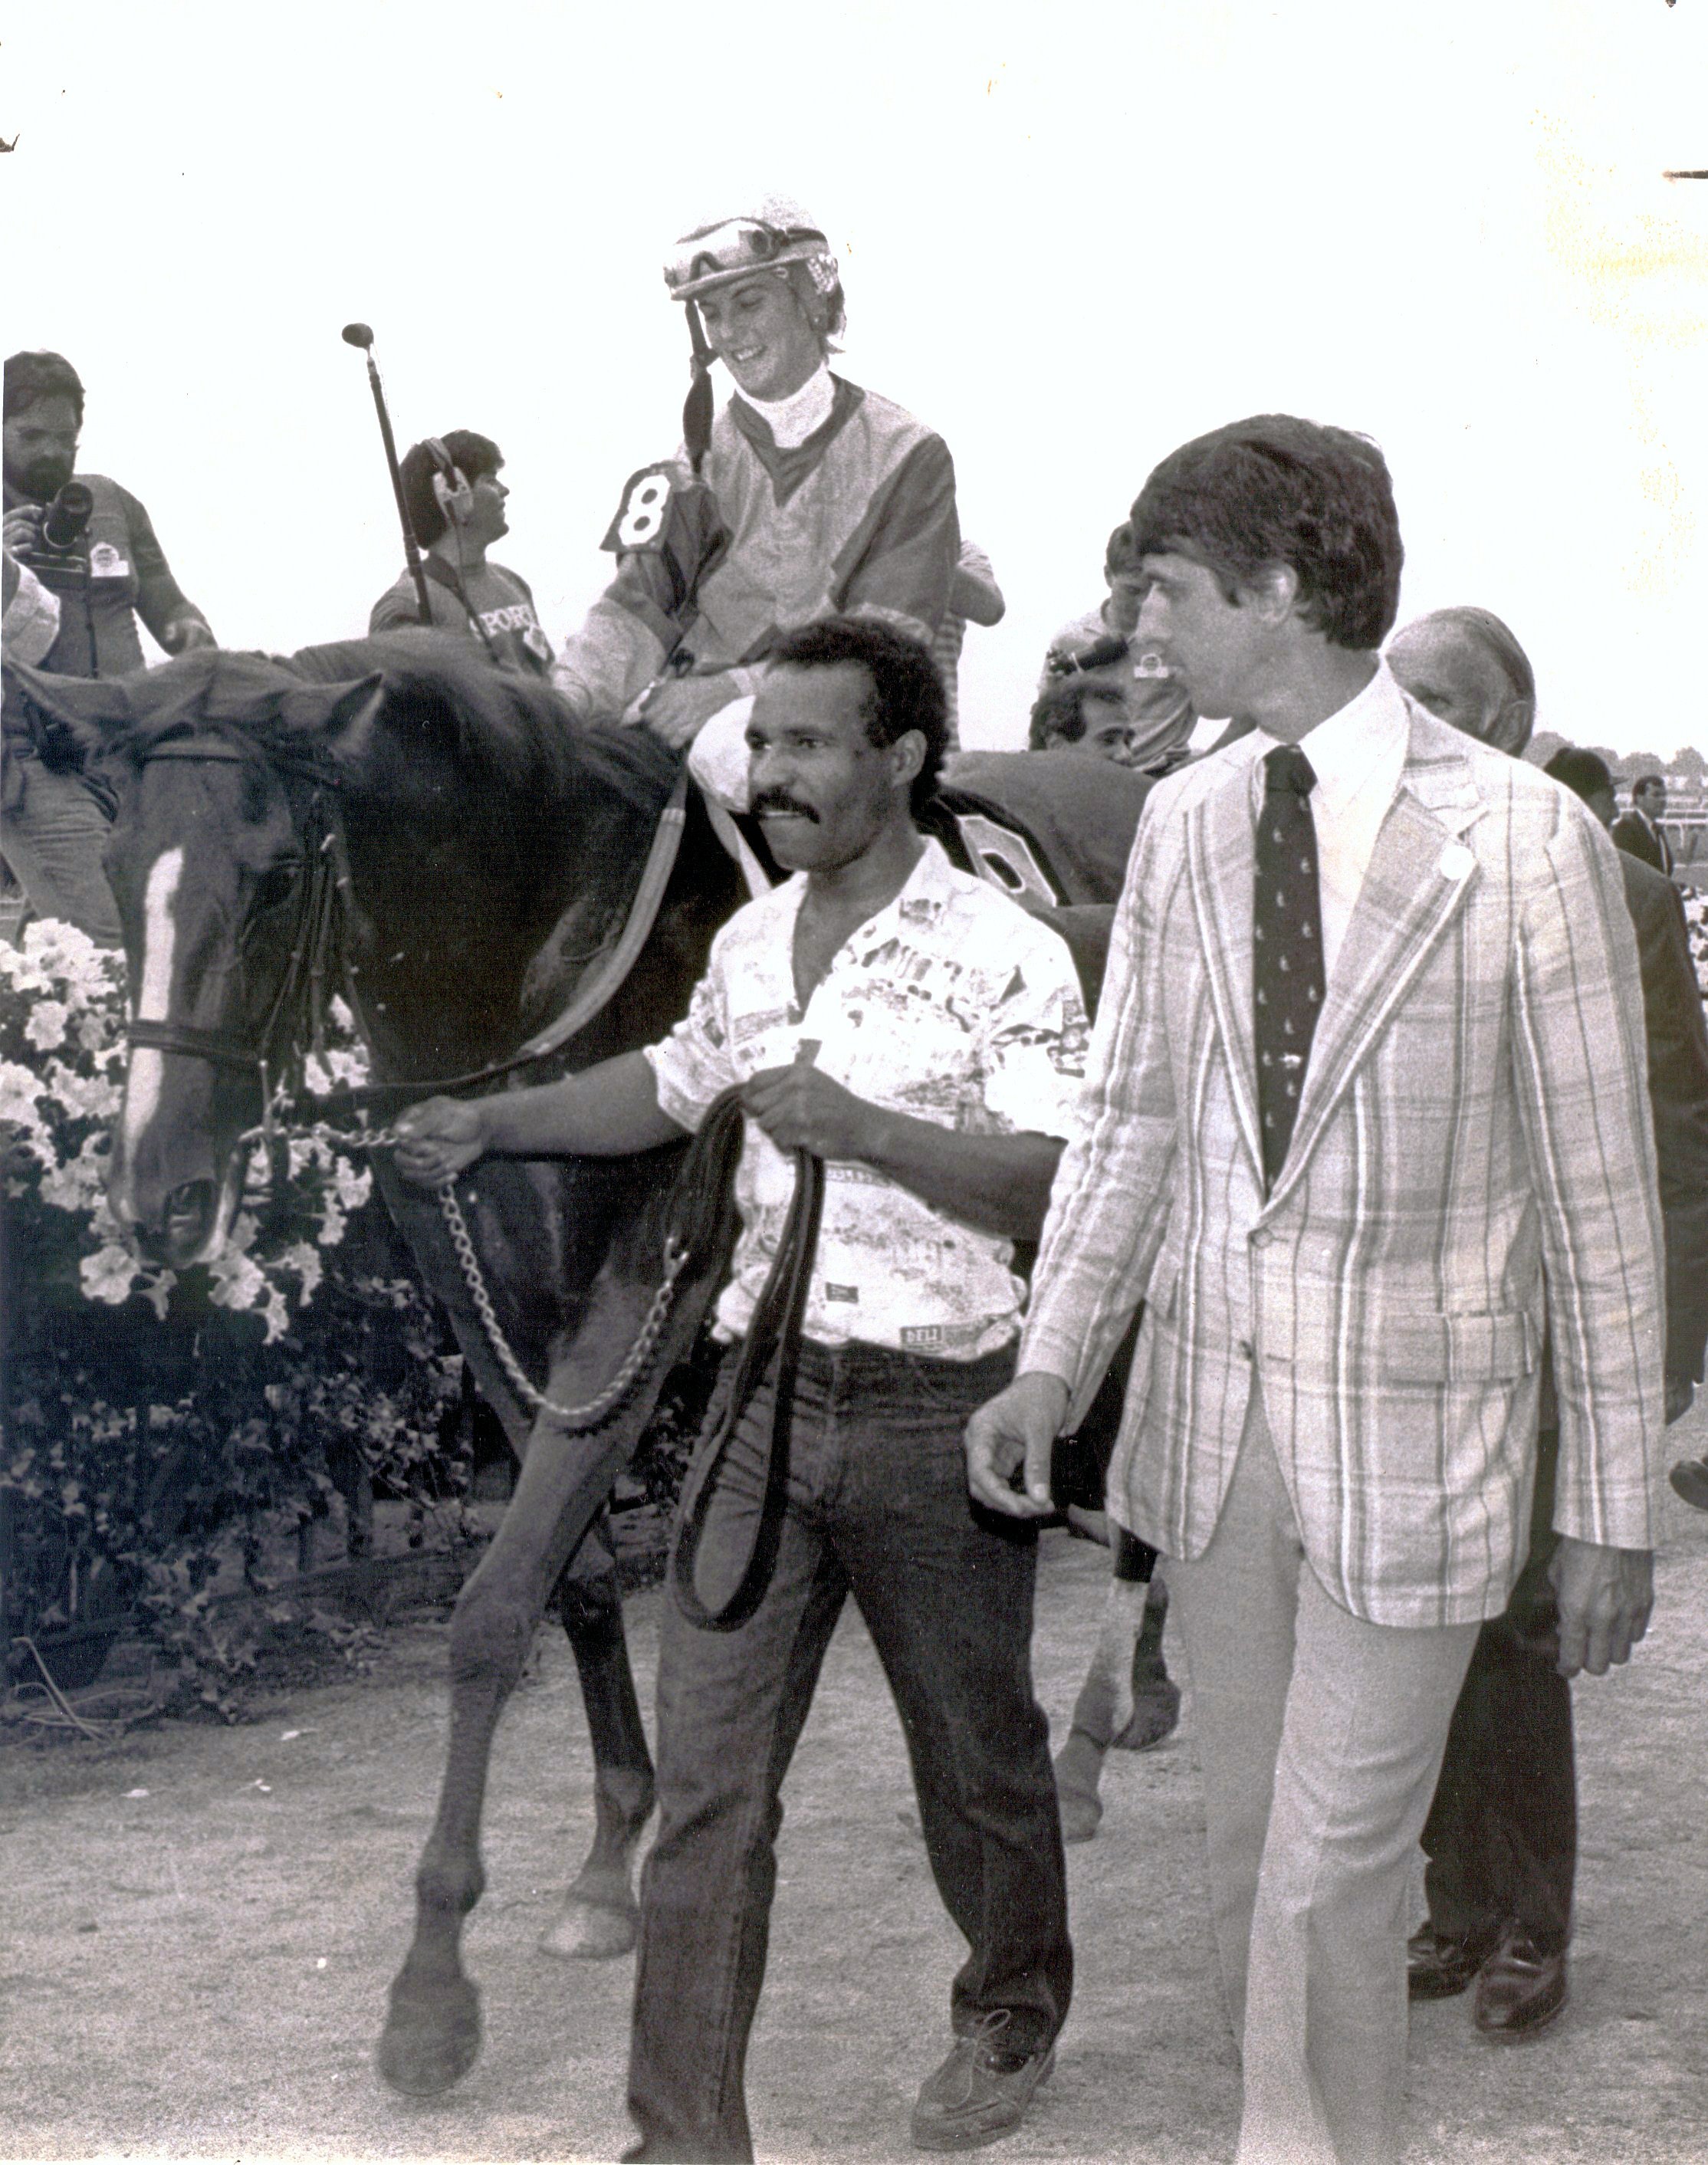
{"x": 98, "y": 579}
{"x": 922, "y": 1035}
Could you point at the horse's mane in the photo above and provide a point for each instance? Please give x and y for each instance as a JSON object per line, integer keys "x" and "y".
{"x": 514, "y": 734}
{"x": 513, "y": 738}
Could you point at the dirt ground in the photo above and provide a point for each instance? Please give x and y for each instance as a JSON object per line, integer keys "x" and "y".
{"x": 200, "y": 1923}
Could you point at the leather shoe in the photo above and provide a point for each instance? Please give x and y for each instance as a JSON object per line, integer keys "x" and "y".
{"x": 980, "y": 2092}
{"x": 1437, "y": 1967}
{"x": 1689, "y": 1479}
{"x": 1519, "y": 1989}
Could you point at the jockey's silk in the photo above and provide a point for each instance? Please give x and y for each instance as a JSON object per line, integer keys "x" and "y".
{"x": 858, "y": 519}
{"x": 951, "y": 1005}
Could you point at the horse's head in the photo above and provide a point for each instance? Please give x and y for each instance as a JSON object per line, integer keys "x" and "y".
{"x": 220, "y": 863}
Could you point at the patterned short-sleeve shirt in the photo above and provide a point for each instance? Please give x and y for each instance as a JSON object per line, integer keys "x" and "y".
{"x": 951, "y": 1004}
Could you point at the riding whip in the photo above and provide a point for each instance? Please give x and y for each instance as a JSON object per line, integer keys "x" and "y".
{"x": 360, "y": 334}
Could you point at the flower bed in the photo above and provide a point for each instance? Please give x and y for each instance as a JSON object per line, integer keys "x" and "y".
{"x": 161, "y": 1427}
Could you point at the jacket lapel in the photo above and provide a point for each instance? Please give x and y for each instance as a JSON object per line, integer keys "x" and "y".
{"x": 1222, "y": 869}
{"x": 1419, "y": 876}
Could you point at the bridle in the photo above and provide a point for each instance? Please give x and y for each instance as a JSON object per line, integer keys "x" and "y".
{"x": 295, "y": 1023}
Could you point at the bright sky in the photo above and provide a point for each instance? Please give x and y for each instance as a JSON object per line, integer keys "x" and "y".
{"x": 1071, "y": 237}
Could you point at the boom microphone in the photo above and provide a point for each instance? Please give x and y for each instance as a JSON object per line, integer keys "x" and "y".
{"x": 362, "y": 335}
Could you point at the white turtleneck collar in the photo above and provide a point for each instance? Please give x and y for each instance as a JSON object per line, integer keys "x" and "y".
{"x": 792, "y": 420}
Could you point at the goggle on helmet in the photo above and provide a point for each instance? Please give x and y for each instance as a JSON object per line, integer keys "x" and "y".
{"x": 718, "y": 255}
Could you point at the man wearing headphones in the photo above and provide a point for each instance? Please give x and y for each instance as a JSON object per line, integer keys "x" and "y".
{"x": 456, "y": 503}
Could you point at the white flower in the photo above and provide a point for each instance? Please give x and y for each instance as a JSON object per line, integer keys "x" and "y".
{"x": 353, "y": 1185}
{"x": 108, "y": 1274}
{"x": 156, "y": 1291}
{"x": 19, "y": 1092}
{"x": 46, "y": 1027}
{"x": 88, "y": 1097}
{"x": 76, "y": 1184}
{"x": 304, "y": 1260}
{"x": 238, "y": 1284}
{"x": 276, "y": 1314}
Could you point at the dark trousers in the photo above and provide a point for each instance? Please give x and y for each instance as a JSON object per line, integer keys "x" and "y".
{"x": 878, "y": 1506}
{"x": 1502, "y": 1833}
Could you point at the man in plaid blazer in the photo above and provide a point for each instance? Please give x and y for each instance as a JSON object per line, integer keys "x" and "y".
{"x": 1349, "y": 1254}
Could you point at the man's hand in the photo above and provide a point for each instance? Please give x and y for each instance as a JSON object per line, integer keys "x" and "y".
{"x": 439, "y": 1139}
{"x": 22, "y": 528}
{"x": 184, "y": 633}
{"x": 1681, "y": 1391}
{"x": 1012, "y": 1434}
{"x": 799, "y": 1108}
{"x": 1605, "y": 1596}
{"x": 677, "y": 709}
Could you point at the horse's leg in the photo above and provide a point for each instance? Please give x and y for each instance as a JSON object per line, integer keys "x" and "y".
{"x": 432, "y": 2033}
{"x": 600, "y": 1917}
{"x": 1127, "y": 1701}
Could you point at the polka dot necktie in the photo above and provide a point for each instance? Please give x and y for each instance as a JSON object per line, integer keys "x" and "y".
{"x": 1286, "y": 972}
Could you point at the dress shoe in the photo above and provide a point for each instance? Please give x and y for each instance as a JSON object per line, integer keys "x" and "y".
{"x": 1689, "y": 1479}
{"x": 1436, "y": 1968}
{"x": 1519, "y": 1989}
{"x": 981, "y": 2090}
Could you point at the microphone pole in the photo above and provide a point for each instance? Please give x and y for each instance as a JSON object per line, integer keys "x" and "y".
{"x": 359, "y": 334}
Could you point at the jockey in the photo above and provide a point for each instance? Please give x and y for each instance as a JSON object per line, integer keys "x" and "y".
{"x": 806, "y": 497}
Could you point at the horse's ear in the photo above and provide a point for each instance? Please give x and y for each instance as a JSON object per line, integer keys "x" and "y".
{"x": 340, "y": 715}
{"x": 91, "y": 709}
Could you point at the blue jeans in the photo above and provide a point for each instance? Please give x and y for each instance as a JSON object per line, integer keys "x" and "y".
{"x": 878, "y": 1507}
{"x": 53, "y": 834}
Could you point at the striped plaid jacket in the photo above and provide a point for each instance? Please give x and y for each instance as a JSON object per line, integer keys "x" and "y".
{"x": 1473, "y": 1158}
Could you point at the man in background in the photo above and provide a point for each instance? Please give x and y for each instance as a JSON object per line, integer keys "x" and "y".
{"x": 1082, "y": 714}
{"x": 1501, "y": 1836}
{"x": 1101, "y": 648}
{"x": 1639, "y": 830}
{"x": 455, "y": 503}
{"x": 94, "y": 567}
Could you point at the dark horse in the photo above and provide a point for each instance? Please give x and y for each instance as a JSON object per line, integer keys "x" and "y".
{"x": 488, "y": 848}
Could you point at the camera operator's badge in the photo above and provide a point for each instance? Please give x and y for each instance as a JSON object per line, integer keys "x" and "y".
{"x": 105, "y": 562}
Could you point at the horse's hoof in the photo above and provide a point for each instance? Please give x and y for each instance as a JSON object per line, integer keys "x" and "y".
{"x": 1156, "y": 1714}
{"x": 590, "y": 1931}
{"x": 432, "y": 2036}
{"x": 1077, "y": 1765}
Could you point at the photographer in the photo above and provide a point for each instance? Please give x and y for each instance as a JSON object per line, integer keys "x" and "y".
{"x": 88, "y": 546}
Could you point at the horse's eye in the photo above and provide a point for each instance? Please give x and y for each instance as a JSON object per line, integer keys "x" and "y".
{"x": 275, "y": 887}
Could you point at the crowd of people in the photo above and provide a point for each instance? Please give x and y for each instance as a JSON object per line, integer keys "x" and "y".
{"x": 1389, "y": 1140}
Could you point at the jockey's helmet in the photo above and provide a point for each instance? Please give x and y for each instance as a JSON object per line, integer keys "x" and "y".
{"x": 770, "y": 236}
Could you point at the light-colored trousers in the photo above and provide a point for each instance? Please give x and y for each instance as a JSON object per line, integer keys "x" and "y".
{"x": 1320, "y": 1737}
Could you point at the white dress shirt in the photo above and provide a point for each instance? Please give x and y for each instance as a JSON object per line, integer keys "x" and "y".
{"x": 1357, "y": 755}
